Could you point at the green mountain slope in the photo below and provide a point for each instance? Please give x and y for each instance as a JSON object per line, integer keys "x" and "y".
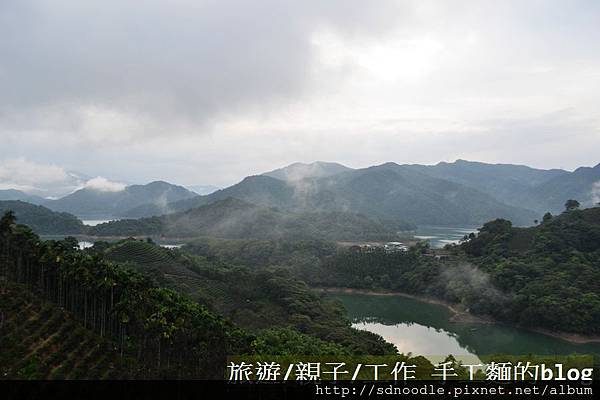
{"x": 388, "y": 192}
{"x": 41, "y": 341}
{"x": 12, "y": 194}
{"x": 583, "y": 185}
{"x": 550, "y": 271}
{"x": 167, "y": 333}
{"x": 93, "y": 203}
{"x": 511, "y": 184}
{"x": 42, "y": 220}
{"x": 233, "y": 218}
{"x": 392, "y": 190}
{"x": 257, "y": 298}
{"x": 299, "y": 171}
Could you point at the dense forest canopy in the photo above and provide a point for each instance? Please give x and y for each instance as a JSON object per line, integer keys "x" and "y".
{"x": 42, "y": 220}
{"x": 166, "y": 332}
{"x": 181, "y": 311}
{"x": 551, "y": 271}
{"x": 543, "y": 276}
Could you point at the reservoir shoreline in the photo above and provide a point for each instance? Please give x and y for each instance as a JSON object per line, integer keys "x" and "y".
{"x": 460, "y": 316}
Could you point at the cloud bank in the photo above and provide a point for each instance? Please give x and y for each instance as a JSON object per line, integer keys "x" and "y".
{"x": 104, "y": 185}
{"x": 206, "y": 91}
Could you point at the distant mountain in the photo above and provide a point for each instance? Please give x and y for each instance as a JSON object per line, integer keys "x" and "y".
{"x": 233, "y": 218}
{"x": 583, "y": 185}
{"x": 257, "y": 189}
{"x": 94, "y": 203}
{"x": 42, "y": 220}
{"x": 299, "y": 171}
{"x": 391, "y": 193}
{"x": 460, "y": 193}
{"x": 399, "y": 192}
{"x": 535, "y": 189}
{"x": 12, "y": 194}
{"x": 54, "y": 189}
{"x": 202, "y": 189}
{"x": 511, "y": 184}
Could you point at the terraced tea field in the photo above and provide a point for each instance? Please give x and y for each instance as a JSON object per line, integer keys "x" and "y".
{"x": 41, "y": 341}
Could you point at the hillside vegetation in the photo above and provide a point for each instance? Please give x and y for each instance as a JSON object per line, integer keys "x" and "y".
{"x": 232, "y": 218}
{"x": 170, "y": 335}
{"x": 42, "y": 220}
{"x": 161, "y": 311}
{"x": 95, "y": 203}
{"x": 551, "y": 271}
{"x": 41, "y": 341}
{"x": 461, "y": 193}
{"x": 12, "y": 194}
{"x": 257, "y": 298}
{"x": 546, "y": 276}
{"x": 398, "y": 195}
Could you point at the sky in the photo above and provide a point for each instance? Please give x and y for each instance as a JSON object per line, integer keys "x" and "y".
{"x": 102, "y": 93}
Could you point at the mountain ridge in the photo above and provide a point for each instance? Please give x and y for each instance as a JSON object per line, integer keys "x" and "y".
{"x": 89, "y": 202}
{"x": 41, "y": 219}
{"x": 396, "y": 194}
{"x": 234, "y": 218}
{"x": 298, "y": 171}
{"x": 14, "y": 194}
{"x": 447, "y": 193}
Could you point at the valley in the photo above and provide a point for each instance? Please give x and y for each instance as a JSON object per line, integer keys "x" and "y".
{"x": 256, "y": 256}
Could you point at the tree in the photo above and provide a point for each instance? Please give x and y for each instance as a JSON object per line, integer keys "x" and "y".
{"x": 571, "y": 205}
{"x": 547, "y": 217}
{"x": 7, "y": 221}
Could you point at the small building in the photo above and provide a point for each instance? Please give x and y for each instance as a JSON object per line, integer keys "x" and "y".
{"x": 394, "y": 247}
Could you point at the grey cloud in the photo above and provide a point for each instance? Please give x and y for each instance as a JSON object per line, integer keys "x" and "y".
{"x": 156, "y": 60}
{"x": 207, "y": 92}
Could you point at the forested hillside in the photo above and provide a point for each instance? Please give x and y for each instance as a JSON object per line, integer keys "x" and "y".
{"x": 392, "y": 193}
{"x": 299, "y": 171}
{"x": 39, "y": 340}
{"x": 457, "y": 193}
{"x": 550, "y": 271}
{"x": 167, "y": 333}
{"x": 95, "y": 203}
{"x": 258, "y": 297}
{"x": 545, "y": 276}
{"x": 142, "y": 307}
{"x": 516, "y": 185}
{"x": 42, "y": 220}
{"x": 582, "y": 184}
{"x": 12, "y": 194}
{"x": 233, "y": 218}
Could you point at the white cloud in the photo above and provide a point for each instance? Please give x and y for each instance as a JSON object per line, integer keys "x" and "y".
{"x": 104, "y": 185}
{"x": 35, "y": 178}
{"x": 29, "y": 173}
{"x": 209, "y": 92}
{"x": 404, "y": 59}
{"x": 596, "y": 193}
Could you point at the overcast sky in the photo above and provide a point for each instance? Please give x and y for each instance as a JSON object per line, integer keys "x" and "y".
{"x": 207, "y": 92}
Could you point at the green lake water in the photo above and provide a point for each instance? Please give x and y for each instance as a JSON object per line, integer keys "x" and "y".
{"x": 422, "y": 328}
{"x": 439, "y": 236}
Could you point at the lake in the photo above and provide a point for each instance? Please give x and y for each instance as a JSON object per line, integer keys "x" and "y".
{"x": 424, "y": 329}
{"x": 84, "y": 244}
{"x": 439, "y": 236}
{"x": 94, "y": 222}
